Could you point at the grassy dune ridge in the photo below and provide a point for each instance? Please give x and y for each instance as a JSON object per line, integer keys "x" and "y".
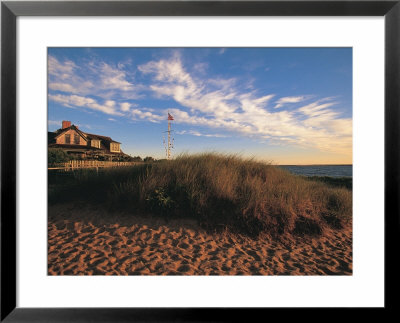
{"x": 220, "y": 191}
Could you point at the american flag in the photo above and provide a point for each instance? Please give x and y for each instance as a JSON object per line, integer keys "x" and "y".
{"x": 170, "y": 117}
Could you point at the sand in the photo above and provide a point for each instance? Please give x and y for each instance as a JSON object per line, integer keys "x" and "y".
{"x": 89, "y": 241}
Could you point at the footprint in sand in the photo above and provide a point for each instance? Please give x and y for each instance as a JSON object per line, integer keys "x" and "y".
{"x": 286, "y": 256}
{"x": 183, "y": 268}
{"x": 254, "y": 255}
{"x": 183, "y": 245}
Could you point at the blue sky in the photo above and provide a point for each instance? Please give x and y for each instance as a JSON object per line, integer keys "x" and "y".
{"x": 284, "y": 105}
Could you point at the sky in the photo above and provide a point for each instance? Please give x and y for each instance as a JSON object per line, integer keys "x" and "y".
{"x": 287, "y": 106}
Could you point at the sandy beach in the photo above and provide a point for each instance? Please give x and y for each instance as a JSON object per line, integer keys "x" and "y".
{"x": 86, "y": 241}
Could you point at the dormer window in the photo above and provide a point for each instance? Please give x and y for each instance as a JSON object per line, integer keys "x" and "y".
{"x": 114, "y": 147}
{"x": 95, "y": 143}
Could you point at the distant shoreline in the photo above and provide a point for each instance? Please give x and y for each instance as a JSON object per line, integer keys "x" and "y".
{"x": 334, "y": 171}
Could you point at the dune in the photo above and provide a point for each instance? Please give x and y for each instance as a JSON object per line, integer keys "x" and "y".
{"x": 89, "y": 241}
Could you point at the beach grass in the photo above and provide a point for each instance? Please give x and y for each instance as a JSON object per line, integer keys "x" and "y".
{"x": 222, "y": 192}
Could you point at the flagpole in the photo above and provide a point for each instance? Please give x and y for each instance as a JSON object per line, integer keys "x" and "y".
{"x": 169, "y": 145}
{"x": 169, "y": 139}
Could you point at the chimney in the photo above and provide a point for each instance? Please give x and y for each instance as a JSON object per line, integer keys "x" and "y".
{"x": 66, "y": 124}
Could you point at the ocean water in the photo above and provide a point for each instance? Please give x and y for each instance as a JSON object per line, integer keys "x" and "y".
{"x": 321, "y": 170}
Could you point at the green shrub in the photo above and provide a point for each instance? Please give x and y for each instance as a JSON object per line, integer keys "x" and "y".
{"x": 148, "y": 159}
{"x": 136, "y": 159}
{"x": 160, "y": 202}
{"x": 56, "y": 156}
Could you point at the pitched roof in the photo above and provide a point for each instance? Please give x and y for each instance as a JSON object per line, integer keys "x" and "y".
{"x": 59, "y": 132}
{"x": 84, "y": 135}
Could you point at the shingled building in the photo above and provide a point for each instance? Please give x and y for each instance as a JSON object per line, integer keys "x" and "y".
{"x": 85, "y": 145}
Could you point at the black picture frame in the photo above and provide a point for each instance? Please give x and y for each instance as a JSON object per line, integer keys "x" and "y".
{"x": 10, "y": 10}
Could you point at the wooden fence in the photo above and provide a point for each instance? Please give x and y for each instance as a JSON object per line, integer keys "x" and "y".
{"x": 73, "y": 164}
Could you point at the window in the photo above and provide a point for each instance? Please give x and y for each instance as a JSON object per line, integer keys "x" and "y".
{"x": 114, "y": 147}
{"x": 76, "y": 139}
{"x": 96, "y": 143}
{"x": 67, "y": 139}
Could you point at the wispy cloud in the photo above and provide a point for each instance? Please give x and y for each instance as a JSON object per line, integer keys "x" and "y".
{"x": 199, "y": 134}
{"x": 108, "y": 106}
{"x": 289, "y": 99}
{"x": 61, "y": 70}
{"x": 95, "y": 78}
{"x": 94, "y": 85}
{"x": 114, "y": 78}
{"x": 125, "y": 106}
{"x": 137, "y": 114}
{"x": 317, "y": 109}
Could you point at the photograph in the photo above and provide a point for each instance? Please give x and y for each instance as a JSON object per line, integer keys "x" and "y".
{"x": 200, "y": 161}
